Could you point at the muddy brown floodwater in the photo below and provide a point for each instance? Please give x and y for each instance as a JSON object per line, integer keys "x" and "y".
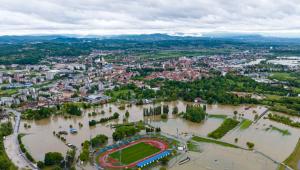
{"x": 215, "y": 157}
{"x": 40, "y": 139}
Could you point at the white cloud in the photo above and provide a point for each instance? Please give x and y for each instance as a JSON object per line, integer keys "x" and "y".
{"x": 148, "y": 16}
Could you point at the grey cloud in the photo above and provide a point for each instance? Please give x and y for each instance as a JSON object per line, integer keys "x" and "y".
{"x": 148, "y": 16}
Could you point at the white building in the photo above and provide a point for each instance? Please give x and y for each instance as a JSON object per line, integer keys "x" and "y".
{"x": 100, "y": 86}
{"x": 97, "y": 98}
{"x": 50, "y": 74}
{"x": 9, "y": 79}
{"x": 76, "y": 67}
{"x": 6, "y": 101}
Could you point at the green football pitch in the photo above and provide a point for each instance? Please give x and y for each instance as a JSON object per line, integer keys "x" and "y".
{"x": 134, "y": 153}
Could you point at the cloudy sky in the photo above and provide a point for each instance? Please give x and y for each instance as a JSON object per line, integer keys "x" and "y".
{"x": 107, "y": 17}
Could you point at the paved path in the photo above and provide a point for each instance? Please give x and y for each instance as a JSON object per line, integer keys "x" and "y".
{"x": 12, "y": 147}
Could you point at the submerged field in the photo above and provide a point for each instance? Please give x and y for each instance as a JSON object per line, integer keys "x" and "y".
{"x": 134, "y": 153}
{"x": 207, "y": 140}
{"x": 265, "y": 141}
{"x": 293, "y": 160}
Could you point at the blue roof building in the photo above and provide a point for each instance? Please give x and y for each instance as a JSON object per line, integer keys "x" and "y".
{"x": 154, "y": 158}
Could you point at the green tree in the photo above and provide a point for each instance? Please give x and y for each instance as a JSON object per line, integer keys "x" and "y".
{"x": 72, "y": 109}
{"x": 5, "y": 163}
{"x": 124, "y": 131}
{"x": 250, "y": 145}
{"x": 165, "y": 109}
{"x": 41, "y": 113}
{"x": 6, "y": 129}
{"x": 53, "y": 158}
{"x": 127, "y": 114}
{"x": 99, "y": 140}
{"x": 40, "y": 164}
{"x": 194, "y": 113}
{"x": 175, "y": 110}
{"x": 85, "y": 155}
{"x": 70, "y": 157}
{"x": 116, "y": 115}
{"x": 204, "y": 107}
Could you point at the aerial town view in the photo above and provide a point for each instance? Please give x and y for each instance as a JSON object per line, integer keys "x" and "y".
{"x": 155, "y": 85}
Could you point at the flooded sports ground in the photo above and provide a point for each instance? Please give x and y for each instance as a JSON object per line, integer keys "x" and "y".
{"x": 39, "y": 138}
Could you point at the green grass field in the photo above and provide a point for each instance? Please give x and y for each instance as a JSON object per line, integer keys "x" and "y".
{"x": 227, "y": 125}
{"x": 284, "y": 76}
{"x": 217, "y": 116}
{"x": 245, "y": 124}
{"x": 134, "y": 153}
{"x": 119, "y": 94}
{"x": 296, "y": 90}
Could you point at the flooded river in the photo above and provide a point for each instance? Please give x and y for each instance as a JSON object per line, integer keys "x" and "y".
{"x": 40, "y": 139}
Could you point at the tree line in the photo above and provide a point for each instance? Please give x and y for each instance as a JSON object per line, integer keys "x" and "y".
{"x": 215, "y": 89}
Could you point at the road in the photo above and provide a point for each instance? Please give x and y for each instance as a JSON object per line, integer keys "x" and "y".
{"x": 261, "y": 115}
{"x": 12, "y": 147}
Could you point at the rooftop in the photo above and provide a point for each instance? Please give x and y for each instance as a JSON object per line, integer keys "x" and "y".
{"x": 153, "y": 158}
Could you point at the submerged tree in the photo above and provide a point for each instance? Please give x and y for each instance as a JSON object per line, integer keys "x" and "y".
{"x": 175, "y": 110}
{"x": 194, "y": 113}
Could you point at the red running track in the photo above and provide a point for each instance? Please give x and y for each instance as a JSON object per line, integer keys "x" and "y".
{"x": 105, "y": 162}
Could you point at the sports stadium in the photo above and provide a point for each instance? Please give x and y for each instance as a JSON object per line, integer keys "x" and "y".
{"x": 135, "y": 152}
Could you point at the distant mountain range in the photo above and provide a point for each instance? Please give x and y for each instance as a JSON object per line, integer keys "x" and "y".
{"x": 147, "y": 37}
